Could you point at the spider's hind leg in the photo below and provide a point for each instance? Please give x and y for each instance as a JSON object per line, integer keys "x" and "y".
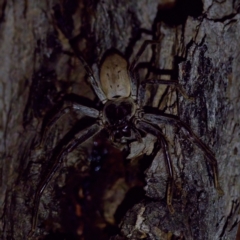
{"x": 140, "y": 52}
{"x": 95, "y": 83}
{"x": 169, "y": 83}
{"x": 135, "y": 86}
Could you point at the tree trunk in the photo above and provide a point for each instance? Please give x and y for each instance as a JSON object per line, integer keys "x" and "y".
{"x": 198, "y": 45}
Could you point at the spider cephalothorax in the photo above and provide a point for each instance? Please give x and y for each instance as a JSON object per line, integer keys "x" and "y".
{"x": 123, "y": 116}
{"x": 117, "y": 117}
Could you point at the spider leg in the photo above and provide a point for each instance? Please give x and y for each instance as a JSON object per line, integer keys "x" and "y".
{"x": 58, "y": 155}
{"x": 140, "y": 52}
{"x": 134, "y": 78}
{"x": 174, "y": 120}
{"x": 66, "y": 108}
{"x": 167, "y": 82}
{"x": 149, "y": 128}
{"x": 95, "y": 84}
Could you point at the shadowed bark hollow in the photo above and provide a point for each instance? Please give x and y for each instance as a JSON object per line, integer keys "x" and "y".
{"x": 99, "y": 191}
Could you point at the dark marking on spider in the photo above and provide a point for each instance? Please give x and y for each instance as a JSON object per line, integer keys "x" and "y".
{"x": 123, "y": 116}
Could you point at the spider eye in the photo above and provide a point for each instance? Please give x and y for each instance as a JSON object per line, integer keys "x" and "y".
{"x": 126, "y": 129}
{"x": 117, "y": 135}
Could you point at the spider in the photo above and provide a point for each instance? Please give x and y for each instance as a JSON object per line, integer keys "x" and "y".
{"x": 123, "y": 116}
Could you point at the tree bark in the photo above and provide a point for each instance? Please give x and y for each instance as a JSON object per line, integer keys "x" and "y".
{"x": 198, "y": 45}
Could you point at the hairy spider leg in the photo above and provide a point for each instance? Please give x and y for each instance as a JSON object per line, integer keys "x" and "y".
{"x": 139, "y": 90}
{"x": 66, "y": 108}
{"x": 155, "y": 131}
{"x": 132, "y": 66}
{"x": 95, "y": 84}
{"x": 57, "y": 158}
{"x": 167, "y": 82}
{"x": 174, "y": 120}
{"x": 140, "y": 52}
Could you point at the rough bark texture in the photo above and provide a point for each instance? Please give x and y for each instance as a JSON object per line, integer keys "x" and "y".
{"x": 198, "y": 43}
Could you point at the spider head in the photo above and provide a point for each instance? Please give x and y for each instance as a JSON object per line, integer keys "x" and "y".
{"x": 117, "y": 115}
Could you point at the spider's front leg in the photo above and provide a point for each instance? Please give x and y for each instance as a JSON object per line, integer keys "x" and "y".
{"x": 68, "y": 106}
{"x": 57, "y": 157}
{"x": 149, "y": 128}
{"x": 174, "y": 120}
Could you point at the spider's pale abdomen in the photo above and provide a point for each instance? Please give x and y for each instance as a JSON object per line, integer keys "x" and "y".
{"x": 114, "y": 77}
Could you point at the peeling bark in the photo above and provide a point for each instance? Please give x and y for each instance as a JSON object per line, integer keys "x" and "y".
{"x": 198, "y": 44}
